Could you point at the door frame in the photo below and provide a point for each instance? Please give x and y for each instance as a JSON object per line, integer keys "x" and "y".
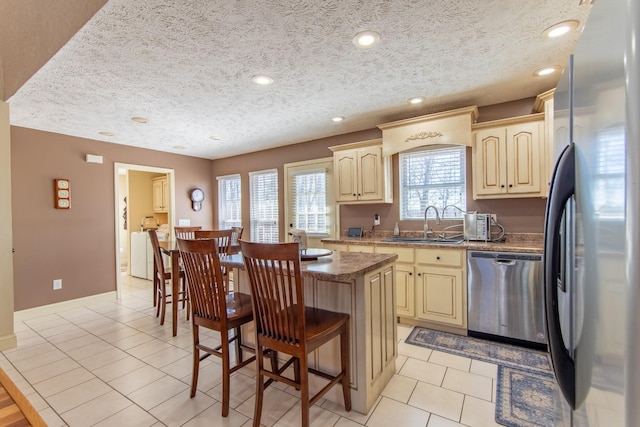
{"x": 117, "y": 196}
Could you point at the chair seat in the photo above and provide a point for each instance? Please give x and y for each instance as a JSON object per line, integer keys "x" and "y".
{"x": 238, "y": 305}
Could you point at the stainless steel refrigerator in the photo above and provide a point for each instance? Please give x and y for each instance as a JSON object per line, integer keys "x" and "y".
{"x": 592, "y": 238}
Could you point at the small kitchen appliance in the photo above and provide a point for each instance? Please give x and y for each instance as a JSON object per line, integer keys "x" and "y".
{"x": 477, "y": 226}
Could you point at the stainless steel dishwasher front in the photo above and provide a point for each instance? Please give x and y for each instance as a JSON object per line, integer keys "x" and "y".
{"x": 506, "y": 296}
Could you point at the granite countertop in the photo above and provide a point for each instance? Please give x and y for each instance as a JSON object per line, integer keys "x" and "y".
{"x": 526, "y": 243}
{"x": 337, "y": 267}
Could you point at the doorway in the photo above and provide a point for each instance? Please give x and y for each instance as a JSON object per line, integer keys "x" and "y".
{"x": 125, "y": 222}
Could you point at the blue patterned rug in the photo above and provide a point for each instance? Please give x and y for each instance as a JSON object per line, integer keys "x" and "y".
{"x": 526, "y": 388}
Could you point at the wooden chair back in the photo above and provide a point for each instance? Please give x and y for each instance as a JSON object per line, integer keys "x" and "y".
{"x": 186, "y": 232}
{"x": 201, "y": 264}
{"x": 277, "y": 292}
{"x": 161, "y": 275}
{"x": 157, "y": 256}
{"x": 222, "y": 238}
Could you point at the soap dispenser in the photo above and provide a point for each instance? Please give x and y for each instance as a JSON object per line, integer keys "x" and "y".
{"x": 396, "y": 230}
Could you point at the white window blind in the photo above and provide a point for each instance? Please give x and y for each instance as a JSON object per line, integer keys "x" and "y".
{"x": 263, "y": 193}
{"x": 308, "y": 200}
{"x": 609, "y": 185}
{"x": 229, "y": 201}
{"x": 432, "y": 177}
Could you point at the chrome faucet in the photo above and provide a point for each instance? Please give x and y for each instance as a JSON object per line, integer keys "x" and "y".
{"x": 428, "y": 231}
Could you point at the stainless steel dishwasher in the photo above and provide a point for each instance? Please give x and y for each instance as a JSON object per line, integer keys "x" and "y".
{"x": 506, "y": 297}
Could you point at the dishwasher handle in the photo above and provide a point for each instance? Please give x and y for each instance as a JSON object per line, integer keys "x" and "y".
{"x": 504, "y": 261}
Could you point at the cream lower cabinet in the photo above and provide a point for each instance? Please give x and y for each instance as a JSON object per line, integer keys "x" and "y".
{"x": 405, "y": 284}
{"x": 441, "y": 288}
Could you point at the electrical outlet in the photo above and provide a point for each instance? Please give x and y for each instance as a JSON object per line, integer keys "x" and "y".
{"x": 184, "y": 222}
{"x": 494, "y": 218}
{"x": 376, "y": 219}
{"x": 57, "y": 284}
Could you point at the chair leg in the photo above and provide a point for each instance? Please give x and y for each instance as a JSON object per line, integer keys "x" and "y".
{"x": 196, "y": 359}
{"x": 163, "y": 302}
{"x": 226, "y": 380}
{"x": 257, "y": 409}
{"x": 346, "y": 363}
{"x": 304, "y": 391}
{"x": 296, "y": 372}
{"x": 238, "y": 333}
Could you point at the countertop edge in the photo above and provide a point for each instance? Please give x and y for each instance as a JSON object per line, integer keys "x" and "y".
{"x": 525, "y": 247}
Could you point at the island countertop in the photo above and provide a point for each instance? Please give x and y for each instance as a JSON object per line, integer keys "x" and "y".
{"x": 337, "y": 267}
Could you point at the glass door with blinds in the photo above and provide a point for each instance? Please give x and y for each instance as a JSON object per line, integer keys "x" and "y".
{"x": 263, "y": 199}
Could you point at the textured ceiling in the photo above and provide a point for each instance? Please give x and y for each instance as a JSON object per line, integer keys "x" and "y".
{"x": 186, "y": 65}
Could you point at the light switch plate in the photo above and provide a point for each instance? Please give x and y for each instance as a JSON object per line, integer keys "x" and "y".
{"x": 184, "y": 222}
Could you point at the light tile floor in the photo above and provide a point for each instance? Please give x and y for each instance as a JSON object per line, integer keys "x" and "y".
{"x": 112, "y": 364}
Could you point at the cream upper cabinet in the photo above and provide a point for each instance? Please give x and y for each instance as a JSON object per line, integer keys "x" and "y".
{"x": 544, "y": 104}
{"x": 509, "y": 158}
{"x": 160, "y": 194}
{"x": 362, "y": 175}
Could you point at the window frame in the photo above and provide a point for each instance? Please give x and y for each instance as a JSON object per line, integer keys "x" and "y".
{"x": 451, "y": 213}
{"x": 222, "y": 200}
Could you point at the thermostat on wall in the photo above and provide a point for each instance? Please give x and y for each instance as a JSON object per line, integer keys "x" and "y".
{"x": 354, "y": 232}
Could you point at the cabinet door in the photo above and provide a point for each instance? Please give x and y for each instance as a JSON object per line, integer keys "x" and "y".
{"x": 405, "y": 295}
{"x": 370, "y": 177}
{"x": 345, "y": 170}
{"x": 490, "y": 162}
{"x": 440, "y": 295}
{"x": 524, "y": 158}
{"x": 159, "y": 188}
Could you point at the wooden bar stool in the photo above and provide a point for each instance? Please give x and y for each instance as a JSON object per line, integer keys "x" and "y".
{"x": 214, "y": 309}
{"x": 285, "y": 325}
{"x": 163, "y": 275}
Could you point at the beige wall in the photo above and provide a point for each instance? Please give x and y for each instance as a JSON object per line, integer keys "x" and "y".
{"x": 78, "y": 245}
{"x": 276, "y": 158}
{"x": 7, "y": 337}
{"x": 517, "y": 215}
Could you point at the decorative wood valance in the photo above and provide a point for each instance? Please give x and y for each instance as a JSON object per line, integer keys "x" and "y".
{"x": 449, "y": 127}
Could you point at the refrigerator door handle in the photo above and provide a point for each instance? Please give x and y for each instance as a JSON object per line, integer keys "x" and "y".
{"x": 562, "y": 188}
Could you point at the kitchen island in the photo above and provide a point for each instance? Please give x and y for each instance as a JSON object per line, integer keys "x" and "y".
{"x": 361, "y": 285}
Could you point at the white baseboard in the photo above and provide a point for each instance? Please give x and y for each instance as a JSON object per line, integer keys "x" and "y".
{"x": 8, "y": 341}
{"x": 32, "y": 313}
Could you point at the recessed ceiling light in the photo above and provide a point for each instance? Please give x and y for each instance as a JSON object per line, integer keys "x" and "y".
{"x": 140, "y": 119}
{"x": 261, "y": 79}
{"x": 366, "y": 38}
{"x": 561, "y": 28}
{"x": 416, "y": 100}
{"x": 179, "y": 147}
{"x": 546, "y": 71}
{"x": 337, "y": 119}
{"x": 107, "y": 133}
{"x": 215, "y": 138}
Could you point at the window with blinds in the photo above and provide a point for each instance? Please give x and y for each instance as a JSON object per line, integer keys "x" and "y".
{"x": 609, "y": 185}
{"x": 263, "y": 196}
{"x": 229, "y": 201}
{"x": 308, "y": 200}
{"x": 432, "y": 177}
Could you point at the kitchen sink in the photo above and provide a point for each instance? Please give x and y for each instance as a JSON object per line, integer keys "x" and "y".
{"x": 422, "y": 240}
